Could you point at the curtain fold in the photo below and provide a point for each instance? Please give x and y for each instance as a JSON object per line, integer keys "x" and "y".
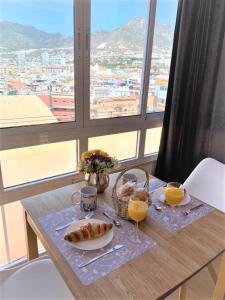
{"x": 195, "y": 109}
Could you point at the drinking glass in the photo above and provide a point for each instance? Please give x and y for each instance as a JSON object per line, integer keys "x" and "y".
{"x": 137, "y": 211}
{"x": 174, "y": 194}
{"x": 129, "y": 177}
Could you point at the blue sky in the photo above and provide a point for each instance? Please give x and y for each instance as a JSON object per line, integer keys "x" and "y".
{"x": 56, "y": 15}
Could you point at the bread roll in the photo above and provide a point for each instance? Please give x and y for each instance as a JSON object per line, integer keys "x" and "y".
{"x": 127, "y": 189}
{"x": 141, "y": 194}
{"x": 88, "y": 231}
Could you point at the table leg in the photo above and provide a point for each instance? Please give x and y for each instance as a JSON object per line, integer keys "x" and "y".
{"x": 31, "y": 240}
{"x": 219, "y": 291}
{"x": 212, "y": 272}
{"x": 183, "y": 292}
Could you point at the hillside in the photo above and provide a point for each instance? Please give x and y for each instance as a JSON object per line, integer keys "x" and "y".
{"x": 18, "y": 37}
{"x": 130, "y": 36}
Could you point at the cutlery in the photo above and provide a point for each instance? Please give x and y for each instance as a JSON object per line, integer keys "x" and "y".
{"x": 187, "y": 212}
{"x": 88, "y": 216}
{"x": 117, "y": 223}
{"x": 157, "y": 207}
{"x": 116, "y": 247}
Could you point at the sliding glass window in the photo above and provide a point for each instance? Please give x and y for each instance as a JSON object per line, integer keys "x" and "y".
{"x": 37, "y": 63}
{"x": 165, "y": 19}
{"x": 118, "y": 32}
{"x": 74, "y": 75}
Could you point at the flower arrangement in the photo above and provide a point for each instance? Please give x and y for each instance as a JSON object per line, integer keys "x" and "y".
{"x": 96, "y": 161}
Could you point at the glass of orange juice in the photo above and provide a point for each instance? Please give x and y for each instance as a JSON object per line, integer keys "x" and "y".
{"x": 138, "y": 211}
{"x": 174, "y": 193}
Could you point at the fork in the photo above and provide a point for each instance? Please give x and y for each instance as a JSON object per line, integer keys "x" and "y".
{"x": 187, "y": 212}
{"x": 88, "y": 216}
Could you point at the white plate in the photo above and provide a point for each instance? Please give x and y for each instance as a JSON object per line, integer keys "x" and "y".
{"x": 159, "y": 195}
{"x": 90, "y": 244}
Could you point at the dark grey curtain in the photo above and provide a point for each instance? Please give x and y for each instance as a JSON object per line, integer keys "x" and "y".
{"x": 194, "y": 121}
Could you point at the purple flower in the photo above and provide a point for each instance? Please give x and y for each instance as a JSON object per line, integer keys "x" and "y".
{"x": 98, "y": 157}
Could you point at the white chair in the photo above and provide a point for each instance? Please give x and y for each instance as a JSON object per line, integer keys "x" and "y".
{"x": 38, "y": 280}
{"x": 207, "y": 183}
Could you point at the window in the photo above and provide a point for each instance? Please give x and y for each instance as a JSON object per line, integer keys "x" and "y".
{"x": 13, "y": 232}
{"x": 77, "y": 75}
{"x": 120, "y": 145}
{"x": 152, "y": 140}
{"x": 117, "y": 55}
{"x": 37, "y": 162}
{"x": 3, "y": 255}
{"x": 161, "y": 55}
{"x": 107, "y": 43}
{"x": 37, "y": 64}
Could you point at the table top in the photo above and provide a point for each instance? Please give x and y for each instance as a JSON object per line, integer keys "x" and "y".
{"x": 155, "y": 274}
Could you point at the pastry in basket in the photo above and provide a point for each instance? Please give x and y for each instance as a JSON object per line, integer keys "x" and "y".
{"x": 88, "y": 231}
{"x": 126, "y": 189}
{"x": 141, "y": 194}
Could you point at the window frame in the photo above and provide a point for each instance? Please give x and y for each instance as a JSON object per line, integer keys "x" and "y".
{"x": 83, "y": 127}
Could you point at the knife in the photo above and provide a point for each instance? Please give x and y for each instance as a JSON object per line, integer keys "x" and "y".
{"x": 116, "y": 247}
{"x": 64, "y": 226}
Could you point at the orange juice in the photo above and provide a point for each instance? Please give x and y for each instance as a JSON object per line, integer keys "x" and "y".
{"x": 137, "y": 210}
{"x": 173, "y": 195}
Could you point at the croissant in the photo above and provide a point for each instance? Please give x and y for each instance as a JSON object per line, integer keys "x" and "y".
{"x": 88, "y": 231}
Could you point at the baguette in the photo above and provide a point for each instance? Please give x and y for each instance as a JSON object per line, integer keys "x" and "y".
{"x": 88, "y": 231}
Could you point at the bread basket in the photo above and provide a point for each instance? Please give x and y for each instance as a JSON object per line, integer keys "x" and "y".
{"x": 121, "y": 207}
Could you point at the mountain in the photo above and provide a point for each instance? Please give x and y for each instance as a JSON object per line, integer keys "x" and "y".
{"x": 129, "y": 36}
{"x": 17, "y": 37}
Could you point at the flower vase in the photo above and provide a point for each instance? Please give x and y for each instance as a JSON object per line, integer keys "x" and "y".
{"x": 98, "y": 180}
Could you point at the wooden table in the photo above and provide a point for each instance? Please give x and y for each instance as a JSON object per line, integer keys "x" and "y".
{"x": 155, "y": 274}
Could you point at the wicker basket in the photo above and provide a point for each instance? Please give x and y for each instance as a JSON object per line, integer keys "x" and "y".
{"x": 121, "y": 207}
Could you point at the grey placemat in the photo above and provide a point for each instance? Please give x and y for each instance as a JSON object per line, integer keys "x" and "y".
{"x": 155, "y": 183}
{"x": 174, "y": 219}
{"x": 105, "y": 265}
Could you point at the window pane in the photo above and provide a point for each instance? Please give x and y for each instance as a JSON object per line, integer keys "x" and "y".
{"x": 152, "y": 140}
{"x": 161, "y": 54}
{"x": 36, "y": 62}
{"x": 117, "y": 46}
{"x": 37, "y": 162}
{"x": 120, "y": 145}
{"x": 3, "y": 257}
{"x": 15, "y": 232}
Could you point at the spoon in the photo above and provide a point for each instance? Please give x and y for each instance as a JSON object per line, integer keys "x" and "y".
{"x": 157, "y": 207}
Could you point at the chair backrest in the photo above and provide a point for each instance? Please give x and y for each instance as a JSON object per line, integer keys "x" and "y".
{"x": 5, "y": 273}
{"x": 207, "y": 183}
{"x": 38, "y": 279}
